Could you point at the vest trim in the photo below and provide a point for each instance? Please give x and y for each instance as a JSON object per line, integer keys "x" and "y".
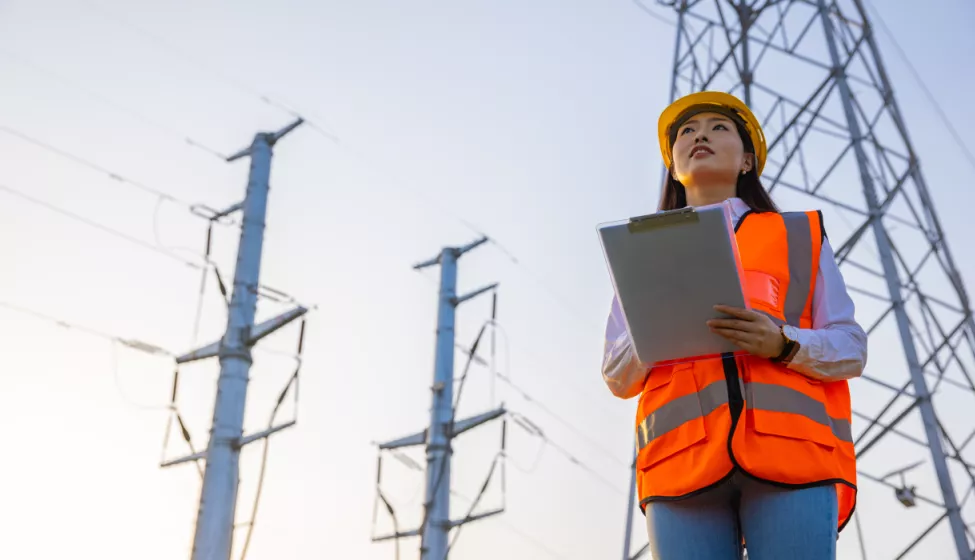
{"x": 680, "y": 411}
{"x": 759, "y": 396}
{"x": 741, "y": 220}
{"x": 779, "y": 398}
{"x": 798, "y": 232}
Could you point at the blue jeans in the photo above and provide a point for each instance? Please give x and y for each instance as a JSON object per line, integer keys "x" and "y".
{"x": 776, "y": 523}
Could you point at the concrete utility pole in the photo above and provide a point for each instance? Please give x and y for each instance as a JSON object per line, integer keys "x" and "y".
{"x": 436, "y": 520}
{"x": 213, "y": 538}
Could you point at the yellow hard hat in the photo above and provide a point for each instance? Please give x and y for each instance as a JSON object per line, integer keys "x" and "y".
{"x": 710, "y": 101}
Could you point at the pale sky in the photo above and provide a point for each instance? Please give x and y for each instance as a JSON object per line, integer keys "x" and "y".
{"x": 533, "y": 121}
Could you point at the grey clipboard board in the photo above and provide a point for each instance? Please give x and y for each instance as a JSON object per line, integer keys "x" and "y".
{"x": 668, "y": 270}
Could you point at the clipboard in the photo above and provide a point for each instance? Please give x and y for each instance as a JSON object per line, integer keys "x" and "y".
{"x": 668, "y": 270}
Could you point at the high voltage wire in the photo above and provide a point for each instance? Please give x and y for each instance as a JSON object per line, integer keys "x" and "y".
{"x": 96, "y": 167}
{"x": 548, "y": 410}
{"x": 564, "y": 422}
{"x": 134, "y": 344}
{"x": 500, "y": 520}
{"x": 293, "y": 111}
{"x": 332, "y": 137}
{"x": 533, "y": 429}
{"x": 99, "y": 226}
{"x": 135, "y": 114}
{"x": 296, "y": 112}
{"x": 653, "y": 14}
{"x": 924, "y": 88}
{"x": 969, "y": 155}
{"x": 213, "y": 70}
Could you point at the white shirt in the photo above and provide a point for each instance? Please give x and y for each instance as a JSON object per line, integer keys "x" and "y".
{"x": 834, "y": 348}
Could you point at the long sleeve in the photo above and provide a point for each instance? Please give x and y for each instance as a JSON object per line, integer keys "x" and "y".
{"x": 622, "y": 372}
{"x": 835, "y": 348}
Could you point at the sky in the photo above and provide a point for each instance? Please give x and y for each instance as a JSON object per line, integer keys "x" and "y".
{"x": 429, "y": 122}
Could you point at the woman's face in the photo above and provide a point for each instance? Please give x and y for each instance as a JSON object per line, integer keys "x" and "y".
{"x": 708, "y": 151}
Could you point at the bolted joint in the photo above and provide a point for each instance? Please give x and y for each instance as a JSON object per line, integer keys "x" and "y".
{"x": 237, "y": 352}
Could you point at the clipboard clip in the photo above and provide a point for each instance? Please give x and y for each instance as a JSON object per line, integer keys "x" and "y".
{"x": 663, "y": 219}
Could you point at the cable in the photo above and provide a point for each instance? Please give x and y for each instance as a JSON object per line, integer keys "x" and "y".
{"x": 501, "y": 456}
{"x": 198, "y": 314}
{"x": 174, "y": 413}
{"x": 477, "y": 499}
{"x": 91, "y": 223}
{"x": 131, "y": 343}
{"x": 146, "y": 120}
{"x": 293, "y": 381}
{"x": 571, "y": 458}
{"x": 516, "y": 531}
{"x": 121, "y": 392}
{"x": 525, "y": 395}
{"x": 212, "y": 71}
{"x": 447, "y": 452}
{"x": 653, "y": 14}
{"x": 921, "y": 83}
{"x": 94, "y": 166}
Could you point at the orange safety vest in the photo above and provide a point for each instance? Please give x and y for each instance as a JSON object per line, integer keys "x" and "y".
{"x": 699, "y": 422}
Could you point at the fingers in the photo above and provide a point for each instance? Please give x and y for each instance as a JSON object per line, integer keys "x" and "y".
{"x": 745, "y": 314}
{"x": 743, "y": 340}
{"x": 736, "y": 324}
{"x": 735, "y": 335}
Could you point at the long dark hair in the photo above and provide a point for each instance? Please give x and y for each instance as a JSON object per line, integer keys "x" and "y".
{"x": 748, "y": 188}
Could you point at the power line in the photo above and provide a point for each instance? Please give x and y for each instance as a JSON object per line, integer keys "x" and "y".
{"x": 96, "y": 225}
{"x": 96, "y": 167}
{"x": 541, "y": 406}
{"x": 291, "y": 110}
{"x": 211, "y": 70}
{"x": 528, "y": 538}
{"x": 131, "y": 343}
{"x": 927, "y": 92}
{"x": 534, "y": 430}
{"x": 132, "y": 113}
{"x": 653, "y": 14}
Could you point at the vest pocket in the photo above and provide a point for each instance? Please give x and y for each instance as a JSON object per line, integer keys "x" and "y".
{"x": 785, "y": 411}
{"x": 763, "y": 291}
{"x": 672, "y": 418}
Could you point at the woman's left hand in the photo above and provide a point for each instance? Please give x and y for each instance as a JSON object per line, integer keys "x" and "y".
{"x": 750, "y": 330}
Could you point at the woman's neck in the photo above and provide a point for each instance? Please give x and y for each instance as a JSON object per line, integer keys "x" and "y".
{"x": 697, "y": 196}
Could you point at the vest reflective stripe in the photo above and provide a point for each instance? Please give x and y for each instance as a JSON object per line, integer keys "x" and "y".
{"x": 799, "y": 234}
{"x": 778, "y": 398}
{"x": 680, "y": 410}
{"x": 778, "y": 322}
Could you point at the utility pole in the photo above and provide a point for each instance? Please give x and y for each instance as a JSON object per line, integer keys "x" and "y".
{"x": 630, "y": 510}
{"x": 837, "y": 141}
{"x": 437, "y": 524}
{"x": 213, "y": 537}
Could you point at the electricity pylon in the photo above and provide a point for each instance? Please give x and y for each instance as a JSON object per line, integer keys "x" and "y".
{"x": 213, "y": 538}
{"x": 812, "y": 72}
{"x": 438, "y": 437}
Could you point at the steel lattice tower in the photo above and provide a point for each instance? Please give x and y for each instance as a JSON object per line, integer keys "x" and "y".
{"x": 812, "y": 72}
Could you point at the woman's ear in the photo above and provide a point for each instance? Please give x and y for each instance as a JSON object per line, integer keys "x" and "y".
{"x": 748, "y": 164}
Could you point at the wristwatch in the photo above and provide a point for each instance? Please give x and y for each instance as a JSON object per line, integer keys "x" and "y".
{"x": 789, "y": 350}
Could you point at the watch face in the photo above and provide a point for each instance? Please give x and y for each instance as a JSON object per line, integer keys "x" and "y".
{"x": 787, "y": 332}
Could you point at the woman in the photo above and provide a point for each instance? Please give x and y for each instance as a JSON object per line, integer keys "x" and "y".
{"x": 753, "y": 447}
